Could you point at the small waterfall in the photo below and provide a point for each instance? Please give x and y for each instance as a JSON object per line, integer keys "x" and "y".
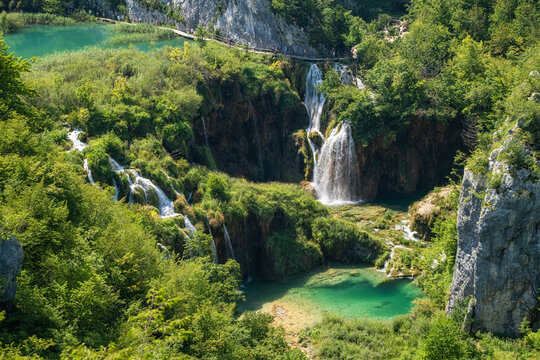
{"x": 228, "y": 242}
{"x": 359, "y": 84}
{"x": 257, "y": 139}
{"x": 88, "y": 172}
{"x": 335, "y": 168}
{"x": 189, "y": 198}
{"x": 74, "y": 137}
{"x": 116, "y": 189}
{"x": 136, "y": 181}
{"x": 344, "y": 74}
{"x": 205, "y": 133}
{"x": 214, "y": 248}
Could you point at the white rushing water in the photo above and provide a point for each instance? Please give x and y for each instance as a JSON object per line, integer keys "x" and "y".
{"x": 335, "y": 168}
{"x": 88, "y": 172}
{"x": 74, "y": 137}
{"x": 228, "y": 242}
{"x": 136, "y": 181}
{"x": 335, "y": 174}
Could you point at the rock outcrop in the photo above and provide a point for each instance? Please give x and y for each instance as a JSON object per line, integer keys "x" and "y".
{"x": 242, "y": 21}
{"x": 497, "y": 269}
{"x": 11, "y": 257}
{"x": 432, "y": 207}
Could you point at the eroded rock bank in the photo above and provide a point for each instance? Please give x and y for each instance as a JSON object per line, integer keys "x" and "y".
{"x": 497, "y": 270}
{"x": 11, "y": 257}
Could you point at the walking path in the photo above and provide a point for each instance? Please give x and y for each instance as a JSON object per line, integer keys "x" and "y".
{"x": 227, "y": 42}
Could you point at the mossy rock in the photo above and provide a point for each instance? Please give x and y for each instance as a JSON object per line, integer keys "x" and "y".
{"x": 316, "y": 138}
{"x": 138, "y": 196}
{"x": 152, "y": 197}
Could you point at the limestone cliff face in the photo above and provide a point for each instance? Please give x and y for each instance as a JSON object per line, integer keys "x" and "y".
{"x": 11, "y": 256}
{"x": 244, "y": 21}
{"x": 497, "y": 269}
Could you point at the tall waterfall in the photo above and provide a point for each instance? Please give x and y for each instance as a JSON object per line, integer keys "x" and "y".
{"x": 228, "y": 242}
{"x": 336, "y": 172}
{"x": 335, "y": 169}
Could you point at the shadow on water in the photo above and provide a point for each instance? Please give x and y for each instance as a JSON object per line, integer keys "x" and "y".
{"x": 398, "y": 201}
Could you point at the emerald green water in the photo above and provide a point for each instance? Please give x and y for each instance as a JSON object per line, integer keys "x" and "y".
{"x": 352, "y": 292}
{"x": 42, "y": 40}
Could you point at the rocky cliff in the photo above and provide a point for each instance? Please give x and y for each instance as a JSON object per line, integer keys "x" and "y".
{"x": 253, "y": 140}
{"x": 421, "y": 157}
{"x": 497, "y": 269}
{"x": 243, "y": 21}
{"x": 11, "y": 256}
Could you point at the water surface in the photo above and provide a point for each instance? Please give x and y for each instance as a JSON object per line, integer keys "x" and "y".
{"x": 42, "y": 40}
{"x": 351, "y": 292}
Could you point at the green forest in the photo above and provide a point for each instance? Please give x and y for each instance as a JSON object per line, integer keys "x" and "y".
{"x": 106, "y": 279}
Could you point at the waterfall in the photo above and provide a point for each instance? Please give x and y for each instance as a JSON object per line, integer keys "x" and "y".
{"x": 74, "y": 137}
{"x": 314, "y": 101}
{"x": 214, "y": 248}
{"x": 335, "y": 168}
{"x": 228, "y": 242}
{"x": 335, "y": 173}
{"x": 116, "y": 189}
{"x": 189, "y": 197}
{"x": 359, "y": 84}
{"x": 88, "y": 172}
{"x": 136, "y": 181}
{"x": 257, "y": 139}
{"x": 205, "y": 133}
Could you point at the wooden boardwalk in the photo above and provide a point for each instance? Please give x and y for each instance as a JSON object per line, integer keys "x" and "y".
{"x": 226, "y": 42}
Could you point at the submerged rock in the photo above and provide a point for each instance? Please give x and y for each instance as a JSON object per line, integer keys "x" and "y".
{"x": 11, "y": 257}
{"x": 497, "y": 270}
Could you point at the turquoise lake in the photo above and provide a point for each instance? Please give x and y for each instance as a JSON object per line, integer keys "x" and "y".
{"x": 43, "y": 40}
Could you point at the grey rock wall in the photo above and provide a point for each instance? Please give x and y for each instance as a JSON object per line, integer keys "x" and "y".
{"x": 497, "y": 269}
{"x": 11, "y": 257}
{"x": 240, "y": 20}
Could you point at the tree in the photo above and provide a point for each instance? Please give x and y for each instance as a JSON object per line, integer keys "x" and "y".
{"x": 12, "y": 88}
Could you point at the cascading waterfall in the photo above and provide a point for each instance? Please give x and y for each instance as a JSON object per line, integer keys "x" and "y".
{"x": 136, "y": 181}
{"x": 88, "y": 172}
{"x": 228, "y": 242}
{"x": 214, "y": 248}
{"x": 74, "y": 137}
{"x": 335, "y": 162}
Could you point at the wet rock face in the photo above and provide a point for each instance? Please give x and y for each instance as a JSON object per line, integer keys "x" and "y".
{"x": 497, "y": 270}
{"x": 421, "y": 157}
{"x": 254, "y": 141}
{"x": 11, "y": 257}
